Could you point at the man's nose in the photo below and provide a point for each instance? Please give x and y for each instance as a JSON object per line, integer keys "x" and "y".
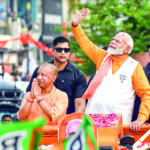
{"x": 112, "y": 42}
{"x": 63, "y": 52}
{"x": 39, "y": 76}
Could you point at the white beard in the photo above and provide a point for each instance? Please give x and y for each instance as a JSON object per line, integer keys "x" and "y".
{"x": 117, "y": 51}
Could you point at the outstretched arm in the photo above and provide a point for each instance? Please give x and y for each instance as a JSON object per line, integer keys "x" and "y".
{"x": 95, "y": 53}
{"x": 77, "y": 18}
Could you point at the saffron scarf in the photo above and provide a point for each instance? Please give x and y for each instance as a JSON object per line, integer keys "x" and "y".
{"x": 97, "y": 80}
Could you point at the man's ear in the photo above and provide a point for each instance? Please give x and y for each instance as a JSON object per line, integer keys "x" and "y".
{"x": 54, "y": 78}
{"x": 127, "y": 49}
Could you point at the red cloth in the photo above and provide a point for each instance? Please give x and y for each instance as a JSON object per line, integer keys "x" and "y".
{"x": 96, "y": 81}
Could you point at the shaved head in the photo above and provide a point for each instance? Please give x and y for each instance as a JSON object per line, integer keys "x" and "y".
{"x": 51, "y": 67}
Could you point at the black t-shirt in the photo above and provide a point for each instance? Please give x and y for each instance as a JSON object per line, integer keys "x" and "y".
{"x": 69, "y": 80}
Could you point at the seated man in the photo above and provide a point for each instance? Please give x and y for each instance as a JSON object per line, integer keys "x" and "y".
{"x": 44, "y": 99}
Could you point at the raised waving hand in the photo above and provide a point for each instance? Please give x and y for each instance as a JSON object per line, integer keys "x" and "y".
{"x": 77, "y": 18}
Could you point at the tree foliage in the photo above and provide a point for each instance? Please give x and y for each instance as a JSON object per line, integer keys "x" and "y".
{"x": 108, "y": 17}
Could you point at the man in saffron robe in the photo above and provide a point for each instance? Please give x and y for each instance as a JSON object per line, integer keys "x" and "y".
{"x": 44, "y": 99}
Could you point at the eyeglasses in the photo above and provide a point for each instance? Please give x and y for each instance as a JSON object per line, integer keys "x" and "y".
{"x": 59, "y": 49}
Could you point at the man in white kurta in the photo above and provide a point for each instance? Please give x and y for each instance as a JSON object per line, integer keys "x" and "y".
{"x": 115, "y": 92}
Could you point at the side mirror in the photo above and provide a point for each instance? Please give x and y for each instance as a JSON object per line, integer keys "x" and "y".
{"x": 127, "y": 141}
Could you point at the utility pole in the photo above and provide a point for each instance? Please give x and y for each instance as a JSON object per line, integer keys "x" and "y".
{"x": 28, "y": 18}
{"x": 16, "y": 29}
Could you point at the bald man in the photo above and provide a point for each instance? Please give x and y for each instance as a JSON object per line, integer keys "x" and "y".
{"x": 118, "y": 77}
{"x": 44, "y": 99}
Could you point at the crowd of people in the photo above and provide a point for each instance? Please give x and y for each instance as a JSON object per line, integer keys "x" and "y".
{"x": 58, "y": 88}
{"x": 21, "y": 72}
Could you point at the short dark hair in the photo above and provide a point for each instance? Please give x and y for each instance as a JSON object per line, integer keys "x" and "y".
{"x": 60, "y": 39}
{"x": 6, "y": 115}
{"x": 148, "y": 46}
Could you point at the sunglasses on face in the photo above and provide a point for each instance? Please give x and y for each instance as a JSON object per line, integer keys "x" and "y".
{"x": 59, "y": 49}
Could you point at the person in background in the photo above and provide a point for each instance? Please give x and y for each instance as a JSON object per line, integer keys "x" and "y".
{"x": 6, "y": 118}
{"x": 16, "y": 73}
{"x": 44, "y": 99}
{"x": 147, "y": 67}
{"x": 118, "y": 77}
{"x": 70, "y": 79}
{"x": 27, "y": 72}
{"x": 138, "y": 100}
